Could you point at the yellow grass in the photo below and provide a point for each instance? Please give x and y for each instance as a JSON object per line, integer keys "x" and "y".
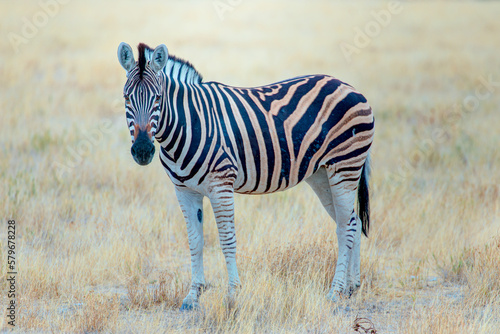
{"x": 101, "y": 243}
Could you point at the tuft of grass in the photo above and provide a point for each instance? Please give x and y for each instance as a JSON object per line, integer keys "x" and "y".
{"x": 482, "y": 274}
{"x": 453, "y": 270}
{"x": 413, "y": 275}
{"x": 435, "y": 320}
{"x": 268, "y": 303}
{"x": 304, "y": 261}
{"x": 168, "y": 291}
{"x": 478, "y": 268}
{"x": 42, "y": 141}
{"x": 97, "y": 313}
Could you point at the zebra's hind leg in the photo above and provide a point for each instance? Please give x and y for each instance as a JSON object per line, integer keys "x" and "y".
{"x": 191, "y": 204}
{"x": 353, "y": 271}
{"x": 343, "y": 188}
{"x": 319, "y": 183}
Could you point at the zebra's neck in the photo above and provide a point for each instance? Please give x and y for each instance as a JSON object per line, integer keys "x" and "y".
{"x": 179, "y": 79}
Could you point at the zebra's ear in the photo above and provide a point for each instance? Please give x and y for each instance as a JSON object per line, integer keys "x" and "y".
{"x": 159, "y": 58}
{"x": 126, "y": 56}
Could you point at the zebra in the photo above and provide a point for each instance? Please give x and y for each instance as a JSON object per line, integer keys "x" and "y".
{"x": 216, "y": 140}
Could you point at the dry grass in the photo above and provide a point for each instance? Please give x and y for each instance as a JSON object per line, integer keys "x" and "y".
{"x": 167, "y": 290}
{"x": 97, "y": 314}
{"x": 482, "y": 274}
{"x": 101, "y": 242}
{"x": 87, "y": 313}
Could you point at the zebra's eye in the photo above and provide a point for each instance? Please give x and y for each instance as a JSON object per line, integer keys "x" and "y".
{"x": 158, "y": 97}
{"x": 126, "y": 98}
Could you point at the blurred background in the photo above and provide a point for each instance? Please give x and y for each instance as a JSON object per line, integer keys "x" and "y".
{"x": 88, "y": 215}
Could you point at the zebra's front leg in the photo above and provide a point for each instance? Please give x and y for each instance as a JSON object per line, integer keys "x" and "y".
{"x": 191, "y": 204}
{"x": 223, "y": 205}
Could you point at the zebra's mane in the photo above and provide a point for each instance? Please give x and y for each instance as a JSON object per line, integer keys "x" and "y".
{"x": 176, "y": 68}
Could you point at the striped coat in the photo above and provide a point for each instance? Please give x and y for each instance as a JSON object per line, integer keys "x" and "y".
{"x": 216, "y": 140}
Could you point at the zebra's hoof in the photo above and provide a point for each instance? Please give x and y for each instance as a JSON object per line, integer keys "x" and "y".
{"x": 352, "y": 290}
{"x": 186, "y": 306}
{"x": 335, "y": 296}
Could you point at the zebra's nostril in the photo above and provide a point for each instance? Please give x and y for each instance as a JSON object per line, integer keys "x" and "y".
{"x": 132, "y": 150}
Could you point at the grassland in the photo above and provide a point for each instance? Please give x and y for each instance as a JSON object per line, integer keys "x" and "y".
{"x": 101, "y": 243}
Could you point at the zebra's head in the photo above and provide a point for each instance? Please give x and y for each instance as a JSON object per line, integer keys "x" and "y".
{"x": 143, "y": 95}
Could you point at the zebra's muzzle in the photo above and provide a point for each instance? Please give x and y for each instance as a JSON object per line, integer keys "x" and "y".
{"x": 143, "y": 150}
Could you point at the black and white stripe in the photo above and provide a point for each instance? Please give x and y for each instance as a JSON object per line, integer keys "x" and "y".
{"x": 217, "y": 139}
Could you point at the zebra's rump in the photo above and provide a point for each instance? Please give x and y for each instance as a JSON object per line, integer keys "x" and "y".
{"x": 282, "y": 133}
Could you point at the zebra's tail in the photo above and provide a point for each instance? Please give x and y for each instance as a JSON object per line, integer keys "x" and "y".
{"x": 364, "y": 197}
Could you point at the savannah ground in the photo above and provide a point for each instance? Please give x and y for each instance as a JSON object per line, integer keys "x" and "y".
{"x": 101, "y": 243}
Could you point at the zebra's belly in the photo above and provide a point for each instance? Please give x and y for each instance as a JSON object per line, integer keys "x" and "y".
{"x": 255, "y": 183}
{"x": 261, "y": 191}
